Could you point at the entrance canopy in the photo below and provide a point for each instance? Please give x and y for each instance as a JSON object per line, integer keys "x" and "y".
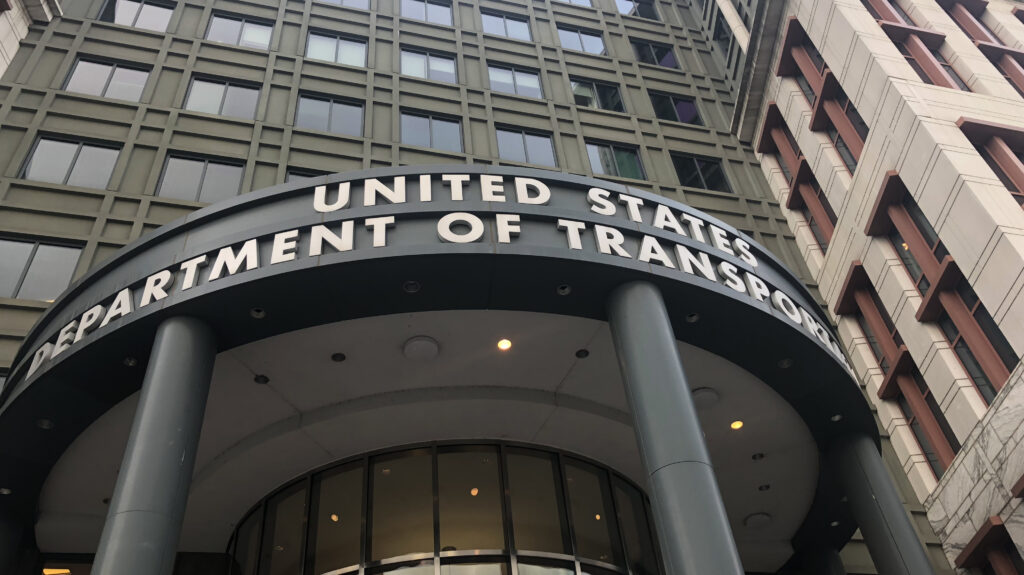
{"x": 414, "y": 240}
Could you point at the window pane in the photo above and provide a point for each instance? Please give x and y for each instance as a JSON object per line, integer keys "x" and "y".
{"x": 475, "y": 569}
{"x": 346, "y": 119}
{"x": 125, "y": 11}
{"x": 528, "y": 569}
{"x": 89, "y": 78}
{"x": 518, "y": 29}
{"x": 339, "y": 519}
{"x": 583, "y": 94}
{"x": 127, "y": 84}
{"x": 469, "y": 502}
{"x": 687, "y": 112}
{"x": 181, "y": 179}
{"x": 686, "y": 171}
{"x": 601, "y": 160}
{"x": 501, "y": 80}
{"x": 646, "y": 10}
{"x": 93, "y": 167}
{"x": 663, "y": 107}
{"x": 205, "y": 97}
{"x": 255, "y": 35}
{"x": 49, "y": 273}
{"x": 528, "y": 84}
{"x": 13, "y": 258}
{"x": 282, "y": 532}
{"x": 351, "y": 52}
{"x": 422, "y": 568}
{"x": 666, "y": 57}
{"x": 539, "y": 150}
{"x": 643, "y": 53}
{"x": 414, "y": 64}
{"x": 493, "y": 24}
{"x": 416, "y": 130}
{"x": 590, "y": 502}
{"x": 241, "y": 102}
{"x": 414, "y": 9}
{"x": 624, "y": 6}
{"x": 441, "y": 69}
{"x": 224, "y": 30}
{"x": 569, "y": 39}
{"x": 714, "y": 176}
{"x": 247, "y": 545}
{"x": 592, "y": 44}
{"x": 627, "y": 163}
{"x": 51, "y": 161}
{"x": 609, "y": 98}
{"x": 221, "y": 181}
{"x": 313, "y": 113}
{"x": 439, "y": 14}
{"x": 446, "y": 135}
{"x": 402, "y": 506}
{"x": 538, "y": 522}
{"x": 321, "y": 47}
{"x": 510, "y": 146}
{"x": 153, "y": 18}
{"x": 635, "y": 530}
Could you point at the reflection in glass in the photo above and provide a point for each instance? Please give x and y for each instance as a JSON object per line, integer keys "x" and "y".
{"x": 13, "y": 258}
{"x": 127, "y": 84}
{"x": 414, "y": 64}
{"x": 255, "y": 36}
{"x": 321, "y": 47}
{"x": 240, "y": 102}
{"x": 224, "y": 30}
{"x": 50, "y": 161}
{"x": 474, "y": 569}
{"x": 338, "y": 518}
{"x": 49, "y": 273}
{"x": 423, "y": 568}
{"x": 181, "y": 179}
{"x": 403, "y": 509}
{"x": 592, "y": 518}
{"x": 535, "y": 506}
{"x": 221, "y": 181}
{"x": 531, "y": 569}
{"x": 635, "y": 530}
{"x": 93, "y": 167}
{"x": 247, "y": 545}
{"x": 89, "y": 78}
{"x": 205, "y": 97}
{"x": 282, "y": 532}
{"x": 469, "y": 493}
{"x": 511, "y": 146}
{"x": 153, "y": 18}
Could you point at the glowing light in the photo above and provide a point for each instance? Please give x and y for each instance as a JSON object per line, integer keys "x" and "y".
{"x": 334, "y": 517}
{"x": 905, "y": 246}
{"x": 504, "y": 344}
{"x": 56, "y": 571}
{"x": 474, "y": 492}
{"x": 736, "y": 424}
{"x": 598, "y": 517}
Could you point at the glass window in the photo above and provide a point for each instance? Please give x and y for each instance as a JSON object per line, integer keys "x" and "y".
{"x": 469, "y": 502}
{"x": 71, "y": 163}
{"x": 109, "y": 80}
{"x": 639, "y": 8}
{"x": 194, "y": 179}
{"x": 656, "y": 54}
{"x": 591, "y": 505}
{"x": 282, "y": 532}
{"x": 518, "y": 146}
{"x": 700, "y": 172}
{"x": 223, "y": 98}
{"x": 474, "y": 569}
{"x": 360, "y": 4}
{"x": 586, "y": 3}
{"x": 240, "y": 32}
{"x": 336, "y": 116}
{"x": 402, "y": 505}
{"x": 433, "y": 12}
{"x": 545, "y": 569}
{"x": 722, "y": 35}
{"x": 431, "y": 132}
{"x": 950, "y": 71}
{"x": 348, "y": 51}
{"x": 635, "y": 530}
{"x": 36, "y": 271}
{"x": 581, "y": 41}
{"x": 535, "y": 504}
{"x": 515, "y": 81}
{"x": 676, "y": 109}
{"x": 146, "y": 15}
{"x": 612, "y": 160}
{"x": 338, "y": 521}
{"x": 247, "y": 545}
{"x": 596, "y": 95}
{"x": 429, "y": 65}
{"x": 505, "y": 26}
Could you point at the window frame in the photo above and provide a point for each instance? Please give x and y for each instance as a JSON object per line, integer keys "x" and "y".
{"x": 522, "y": 132}
{"x": 635, "y": 12}
{"x": 426, "y": 18}
{"x": 36, "y": 243}
{"x": 649, "y": 45}
{"x": 580, "y": 33}
{"x": 504, "y": 21}
{"x": 112, "y": 6}
{"x": 206, "y": 164}
{"x": 345, "y": 4}
{"x": 428, "y": 54}
{"x": 336, "y": 36}
{"x": 23, "y": 172}
{"x": 597, "y": 94}
{"x": 695, "y": 157}
{"x": 331, "y": 99}
{"x": 515, "y": 80}
{"x": 431, "y": 117}
{"x": 114, "y": 66}
{"x": 613, "y": 147}
{"x": 241, "y": 30}
{"x": 672, "y": 98}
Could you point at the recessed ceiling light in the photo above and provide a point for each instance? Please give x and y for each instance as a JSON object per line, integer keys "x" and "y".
{"x": 704, "y": 397}
{"x": 785, "y": 363}
{"x": 504, "y": 344}
{"x": 411, "y": 286}
{"x": 564, "y": 289}
{"x": 836, "y": 417}
{"x": 582, "y": 353}
{"x": 757, "y": 520}
{"x": 420, "y": 348}
{"x": 258, "y": 313}
{"x": 736, "y": 425}
{"x": 130, "y": 361}
{"x": 598, "y": 516}
{"x": 338, "y": 357}
{"x": 474, "y": 492}
{"x": 764, "y": 487}
{"x": 834, "y": 524}
{"x": 44, "y": 424}
{"x": 693, "y": 318}
{"x": 5, "y": 491}
{"x": 261, "y": 379}
{"x": 757, "y": 456}
{"x": 334, "y": 517}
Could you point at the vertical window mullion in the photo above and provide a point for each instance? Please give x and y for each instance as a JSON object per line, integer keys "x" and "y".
{"x": 110, "y": 76}
{"x": 24, "y": 271}
{"x": 71, "y": 166}
{"x": 202, "y": 178}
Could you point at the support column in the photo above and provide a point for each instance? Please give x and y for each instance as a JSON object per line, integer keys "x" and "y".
{"x": 891, "y": 539}
{"x": 693, "y": 529}
{"x": 144, "y": 522}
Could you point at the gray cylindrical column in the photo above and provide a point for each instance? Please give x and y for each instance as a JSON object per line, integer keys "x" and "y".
{"x": 144, "y": 521}
{"x": 891, "y": 539}
{"x": 693, "y": 529}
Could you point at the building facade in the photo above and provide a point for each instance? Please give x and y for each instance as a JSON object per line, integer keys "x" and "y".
{"x": 888, "y": 131}
{"x": 121, "y": 117}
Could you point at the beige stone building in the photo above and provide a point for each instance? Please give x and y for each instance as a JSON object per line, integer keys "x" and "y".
{"x": 892, "y": 134}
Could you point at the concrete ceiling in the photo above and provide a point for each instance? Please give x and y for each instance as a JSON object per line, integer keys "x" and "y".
{"x": 315, "y": 411}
